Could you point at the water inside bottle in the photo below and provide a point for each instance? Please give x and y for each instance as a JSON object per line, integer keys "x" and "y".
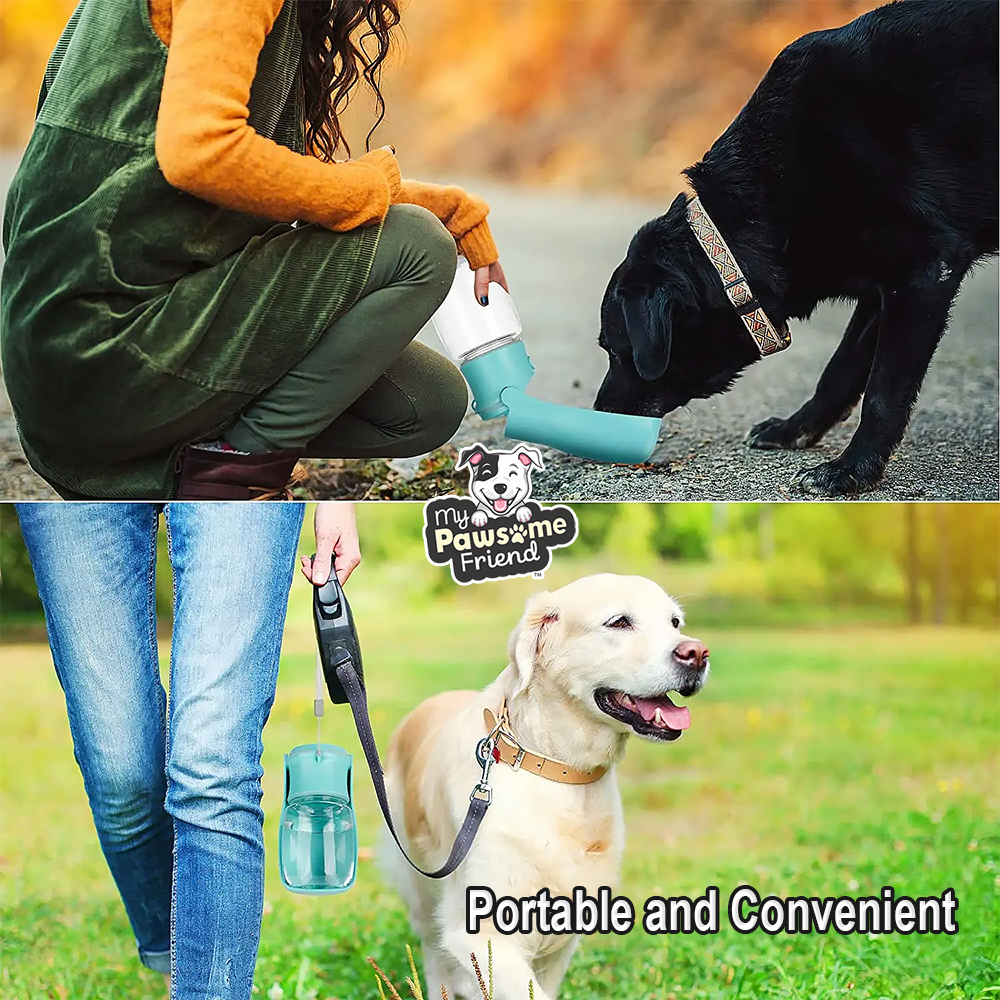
{"x": 319, "y": 843}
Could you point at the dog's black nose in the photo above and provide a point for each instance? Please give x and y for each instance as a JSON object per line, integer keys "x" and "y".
{"x": 692, "y": 653}
{"x": 500, "y": 487}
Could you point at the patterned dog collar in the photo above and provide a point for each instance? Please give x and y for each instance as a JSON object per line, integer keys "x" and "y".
{"x": 767, "y": 337}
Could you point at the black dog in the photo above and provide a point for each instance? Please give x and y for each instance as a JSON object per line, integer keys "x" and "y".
{"x": 863, "y": 167}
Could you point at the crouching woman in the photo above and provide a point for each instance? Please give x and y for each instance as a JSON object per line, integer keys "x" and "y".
{"x": 195, "y": 292}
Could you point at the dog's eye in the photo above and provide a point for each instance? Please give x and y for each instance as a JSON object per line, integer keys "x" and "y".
{"x": 620, "y": 621}
{"x": 675, "y": 621}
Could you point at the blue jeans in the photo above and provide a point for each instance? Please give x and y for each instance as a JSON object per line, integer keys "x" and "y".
{"x": 176, "y": 804}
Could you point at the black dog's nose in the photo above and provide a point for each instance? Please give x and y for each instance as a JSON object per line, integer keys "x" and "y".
{"x": 500, "y": 487}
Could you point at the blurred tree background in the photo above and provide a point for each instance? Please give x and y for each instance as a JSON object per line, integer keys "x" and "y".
{"x": 730, "y": 564}
{"x": 601, "y": 94}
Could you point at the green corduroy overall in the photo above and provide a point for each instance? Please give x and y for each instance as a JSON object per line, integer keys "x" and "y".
{"x": 136, "y": 317}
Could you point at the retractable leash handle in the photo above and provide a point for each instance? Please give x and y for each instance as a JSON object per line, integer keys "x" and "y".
{"x": 340, "y": 656}
{"x": 336, "y": 635}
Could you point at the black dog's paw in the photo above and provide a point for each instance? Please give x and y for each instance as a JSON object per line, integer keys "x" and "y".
{"x": 778, "y": 433}
{"x": 838, "y": 479}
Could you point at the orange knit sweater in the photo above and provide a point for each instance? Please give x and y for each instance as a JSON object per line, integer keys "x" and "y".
{"x": 204, "y": 145}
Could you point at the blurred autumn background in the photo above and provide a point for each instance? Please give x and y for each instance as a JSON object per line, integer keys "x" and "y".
{"x": 583, "y": 94}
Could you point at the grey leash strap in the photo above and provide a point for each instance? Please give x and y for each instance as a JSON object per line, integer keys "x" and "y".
{"x": 479, "y": 800}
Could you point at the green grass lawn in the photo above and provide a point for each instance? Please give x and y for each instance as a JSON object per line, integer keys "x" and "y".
{"x": 822, "y": 762}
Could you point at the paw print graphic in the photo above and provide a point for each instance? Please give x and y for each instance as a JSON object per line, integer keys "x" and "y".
{"x": 517, "y": 535}
{"x": 479, "y": 518}
{"x": 523, "y": 514}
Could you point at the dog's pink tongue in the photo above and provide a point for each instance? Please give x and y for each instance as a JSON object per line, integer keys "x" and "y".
{"x": 670, "y": 716}
{"x": 500, "y": 505}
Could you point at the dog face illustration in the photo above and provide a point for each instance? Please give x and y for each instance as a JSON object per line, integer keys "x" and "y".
{"x": 499, "y": 481}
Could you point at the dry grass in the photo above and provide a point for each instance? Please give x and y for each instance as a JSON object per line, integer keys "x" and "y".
{"x": 413, "y": 980}
{"x": 359, "y": 479}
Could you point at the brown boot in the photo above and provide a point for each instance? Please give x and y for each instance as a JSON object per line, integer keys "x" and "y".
{"x": 231, "y": 475}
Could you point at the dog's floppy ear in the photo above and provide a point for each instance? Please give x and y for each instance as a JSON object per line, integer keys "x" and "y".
{"x": 648, "y": 320}
{"x": 540, "y": 613}
{"x": 529, "y": 457}
{"x": 471, "y": 456}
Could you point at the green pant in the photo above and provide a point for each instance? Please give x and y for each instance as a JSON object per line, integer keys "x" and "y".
{"x": 365, "y": 389}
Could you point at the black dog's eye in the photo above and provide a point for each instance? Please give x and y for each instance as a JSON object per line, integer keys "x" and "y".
{"x": 675, "y": 621}
{"x": 621, "y": 621}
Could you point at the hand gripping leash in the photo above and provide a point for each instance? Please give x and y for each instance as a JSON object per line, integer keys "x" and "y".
{"x": 340, "y": 656}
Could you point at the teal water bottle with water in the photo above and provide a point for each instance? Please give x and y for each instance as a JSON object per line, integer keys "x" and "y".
{"x": 318, "y": 837}
{"x": 318, "y": 841}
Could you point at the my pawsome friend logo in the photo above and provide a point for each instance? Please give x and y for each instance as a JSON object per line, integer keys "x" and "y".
{"x": 498, "y": 532}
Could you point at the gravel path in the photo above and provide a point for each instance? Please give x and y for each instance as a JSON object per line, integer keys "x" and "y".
{"x": 558, "y": 251}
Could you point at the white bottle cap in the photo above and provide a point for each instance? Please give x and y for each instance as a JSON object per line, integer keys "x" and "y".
{"x": 467, "y": 327}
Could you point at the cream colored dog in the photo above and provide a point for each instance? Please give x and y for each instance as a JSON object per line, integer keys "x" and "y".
{"x": 590, "y": 664}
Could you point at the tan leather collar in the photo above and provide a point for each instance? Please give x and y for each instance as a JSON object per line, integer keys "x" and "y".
{"x": 509, "y": 751}
{"x": 768, "y": 338}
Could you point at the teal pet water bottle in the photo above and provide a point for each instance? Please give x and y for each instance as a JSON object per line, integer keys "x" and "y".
{"x": 485, "y": 342}
{"x": 318, "y": 839}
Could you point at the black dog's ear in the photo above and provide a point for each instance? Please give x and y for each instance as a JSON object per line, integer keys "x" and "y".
{"x": 648, "y": 320}
{"x": 470, "y": 456}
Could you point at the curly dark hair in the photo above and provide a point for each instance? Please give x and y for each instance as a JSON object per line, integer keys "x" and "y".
{"x": 334, "y": 56}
